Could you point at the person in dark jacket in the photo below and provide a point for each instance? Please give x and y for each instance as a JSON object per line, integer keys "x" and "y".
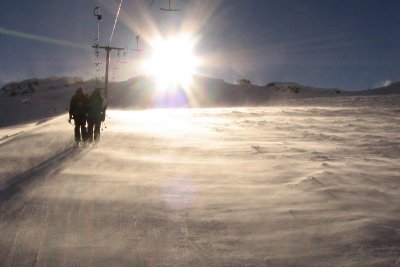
{"x": 77, "y": 111}
{"x": 96, "y": 113}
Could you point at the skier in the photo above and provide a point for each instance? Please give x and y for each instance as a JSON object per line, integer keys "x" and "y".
{"x": 77, "y": 111}
{"x": 96, "y": 114}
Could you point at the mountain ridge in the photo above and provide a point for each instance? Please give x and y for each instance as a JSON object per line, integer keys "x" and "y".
{"x": 28, "y": 86}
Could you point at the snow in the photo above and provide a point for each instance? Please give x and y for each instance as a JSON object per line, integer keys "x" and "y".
{"x": 315, "y": 182}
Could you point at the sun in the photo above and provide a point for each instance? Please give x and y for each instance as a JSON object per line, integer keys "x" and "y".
{"x": 172, "y": 62}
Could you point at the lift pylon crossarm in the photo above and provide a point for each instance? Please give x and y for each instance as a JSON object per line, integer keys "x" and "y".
{"x": 169, "y": 10}
{"x": 109, "y": 48}
{"x": 169, "y": 7}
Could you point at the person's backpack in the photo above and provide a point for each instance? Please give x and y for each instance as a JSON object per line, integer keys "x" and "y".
{"x": 79, "y": 105}
{"x": 80, "y": 108}
{"x": 95, "y": 106}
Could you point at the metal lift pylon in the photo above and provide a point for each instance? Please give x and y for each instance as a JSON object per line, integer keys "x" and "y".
{"x": 108, "y": 49}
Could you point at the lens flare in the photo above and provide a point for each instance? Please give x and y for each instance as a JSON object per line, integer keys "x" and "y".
{"x": 172, "y": 62}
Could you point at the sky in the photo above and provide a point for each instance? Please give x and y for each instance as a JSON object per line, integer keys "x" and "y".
{"x": 351, "y": 45}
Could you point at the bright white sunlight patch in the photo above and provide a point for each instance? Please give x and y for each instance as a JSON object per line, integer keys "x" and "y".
{"x": 172, "y": 62}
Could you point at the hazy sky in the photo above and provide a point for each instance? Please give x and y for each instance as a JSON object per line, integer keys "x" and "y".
{"x": 353, "y": 44}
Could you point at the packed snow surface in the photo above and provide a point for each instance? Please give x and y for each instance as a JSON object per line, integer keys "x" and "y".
{"x": 313, "y": 183}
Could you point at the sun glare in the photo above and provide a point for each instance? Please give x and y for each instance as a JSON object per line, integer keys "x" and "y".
{"x": 172, "y": 62}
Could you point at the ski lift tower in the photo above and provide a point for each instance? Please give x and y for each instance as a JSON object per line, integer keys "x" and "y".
{"x": 108, "y": 50}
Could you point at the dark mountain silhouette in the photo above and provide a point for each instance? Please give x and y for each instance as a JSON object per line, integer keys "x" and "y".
{"x": 211, "y": 92}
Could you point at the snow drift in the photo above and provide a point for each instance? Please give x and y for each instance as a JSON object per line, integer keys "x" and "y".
{"x": 315, "y": 183}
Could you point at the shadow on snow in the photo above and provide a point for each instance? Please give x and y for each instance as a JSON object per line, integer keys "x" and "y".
{"x": 49, "y": 167}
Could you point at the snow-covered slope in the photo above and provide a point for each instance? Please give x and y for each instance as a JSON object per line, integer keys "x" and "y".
{"x": 393, "y": 88}
{"x": 316, "y": 183}
{"x": 30, "y": 86}
{"x": 36, "y": 99}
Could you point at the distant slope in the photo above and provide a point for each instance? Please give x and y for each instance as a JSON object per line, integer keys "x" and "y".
{"x": 210, "y": 92}
{"x": 34, "y": 99}
{"x": 394, "y": 88}
{"x": 30, "y": 86}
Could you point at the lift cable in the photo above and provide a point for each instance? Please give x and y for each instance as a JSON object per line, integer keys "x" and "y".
{"x": 115, "y": 23}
